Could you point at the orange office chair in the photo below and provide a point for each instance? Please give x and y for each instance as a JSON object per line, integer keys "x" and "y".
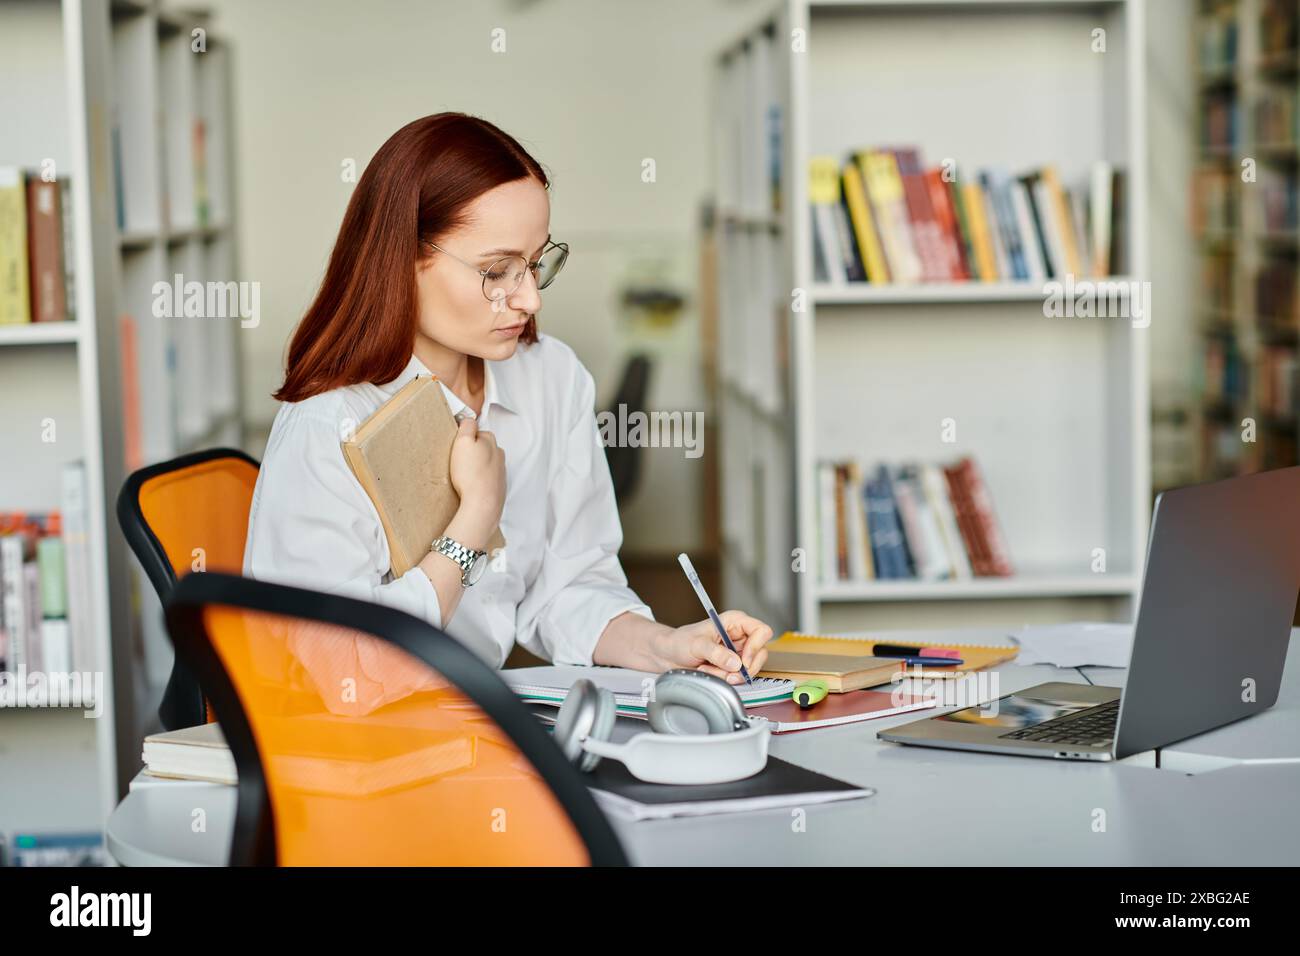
{"x": 170, "y": 510}
{"x": 364, "y": 736}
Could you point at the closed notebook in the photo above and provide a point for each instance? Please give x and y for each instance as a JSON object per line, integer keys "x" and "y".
{"x": 975, "y": 656}
{"x": 401, "y": 456}
{"x": 840, "y": 672}
{"x": 191, "y": 753}
{"x": 858, "y": 705}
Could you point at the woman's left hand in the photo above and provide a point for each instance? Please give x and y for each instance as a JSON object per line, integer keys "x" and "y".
{"x": 698, "y": 646}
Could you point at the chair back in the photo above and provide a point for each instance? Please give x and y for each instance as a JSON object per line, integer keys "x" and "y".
{"x": 364, "y": 736}
{"x": 185, "y": 514}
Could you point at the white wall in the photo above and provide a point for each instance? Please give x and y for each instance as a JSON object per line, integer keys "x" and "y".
{"x": 590, "y": 87}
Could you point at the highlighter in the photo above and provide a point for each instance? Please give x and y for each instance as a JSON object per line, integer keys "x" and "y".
{"x": 810, "y": 692}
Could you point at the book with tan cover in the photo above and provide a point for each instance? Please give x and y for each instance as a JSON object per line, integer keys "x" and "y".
{"x": 402, "y": 456}
{"x": 841, "y": 672}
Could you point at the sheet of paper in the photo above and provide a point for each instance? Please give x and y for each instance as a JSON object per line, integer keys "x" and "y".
{"x": 627, "y": 685}
{"x": 1077, "y": 644}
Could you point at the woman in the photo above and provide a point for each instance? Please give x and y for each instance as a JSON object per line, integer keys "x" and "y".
{"x": 437, "y": 269}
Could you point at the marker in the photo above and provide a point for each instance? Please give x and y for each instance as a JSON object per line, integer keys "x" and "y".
{"x": 703, "y": 595}
{"x": 933, "y": 661}
{"x": 906, "y": 650}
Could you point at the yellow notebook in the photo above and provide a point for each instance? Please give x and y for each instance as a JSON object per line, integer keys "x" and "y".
{"x": 402, "y": 457}
{"x": 976, "y": 656}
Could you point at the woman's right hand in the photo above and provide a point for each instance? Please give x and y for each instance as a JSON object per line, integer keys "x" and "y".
{"x": 478, "y": 473}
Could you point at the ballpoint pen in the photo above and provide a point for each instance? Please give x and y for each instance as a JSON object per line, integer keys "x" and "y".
{"x": 703, "y": 595}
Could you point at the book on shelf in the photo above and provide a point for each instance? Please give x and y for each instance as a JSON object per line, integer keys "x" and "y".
{"x": 1216, "y": 35}
{"x": 35, "y": 248}
{"x": 1277, "y": 396}
{"x": 59, "y": 849}
{"x": 882, "y": 217}
{"x": 926, "y": 522}
{"x": 1278, "y": 34}
{"x": 32, "y": 594}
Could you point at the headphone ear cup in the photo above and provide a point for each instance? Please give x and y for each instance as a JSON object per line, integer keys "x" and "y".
{"x": 693, "y": 702}
{"x": 587, "y": 713}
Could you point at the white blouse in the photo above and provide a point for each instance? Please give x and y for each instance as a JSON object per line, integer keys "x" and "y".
{"x": 558, "y": 581}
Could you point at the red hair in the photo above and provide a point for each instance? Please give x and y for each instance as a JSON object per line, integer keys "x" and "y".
{"x": 362, "y": 323}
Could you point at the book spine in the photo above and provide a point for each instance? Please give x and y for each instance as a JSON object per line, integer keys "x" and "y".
{"x": 823, "y": 196}
{"x": 1061, "y": 214}
{"x": 925, "y": 232}
{"x": 910, "y": 523}
{"x": 1100, "y": 204}
{"x": 45, "y": 249}
{"x": 936, "y": 490}
{"x": 864, "y": 227}
{"x": 981, "y": 503}
{"x": 1029, "y": 183}
{"x": 69, "y": 249}
{"x": 858, "y": 566}
{"x": 965, "y": 524}
{"x": 32, "y": 606}
{"x": 847, "y": 245}
{"x": 1025, "y": 222}
{"x": 879, "y": 528}
{"x": 901, "y": 561}
{"x": 973, "y": 203}
{"x": 77, "y": 559}
{"x": 15, "y": 306}
{"x": 12, "y": 590}
{"x": 945, "y": 215}
{"x": 885, "y": 191}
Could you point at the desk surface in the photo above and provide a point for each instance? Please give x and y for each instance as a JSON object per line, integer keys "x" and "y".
{"x": 1226, "y": 797}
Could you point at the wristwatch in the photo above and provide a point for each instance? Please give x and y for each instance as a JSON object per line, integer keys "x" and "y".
{"x": 472, "y": 563}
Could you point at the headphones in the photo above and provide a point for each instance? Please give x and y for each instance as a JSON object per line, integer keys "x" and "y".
{"x": 701, "y": 733}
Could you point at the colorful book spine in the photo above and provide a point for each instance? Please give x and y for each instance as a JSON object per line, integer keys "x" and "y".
{"x": 864, "y": 225}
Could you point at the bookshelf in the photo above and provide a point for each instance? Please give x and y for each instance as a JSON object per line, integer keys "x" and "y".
{"x": 102, "y": 88}
{"x": 1055, "y": 410}
{"x": 1244, "y": 213}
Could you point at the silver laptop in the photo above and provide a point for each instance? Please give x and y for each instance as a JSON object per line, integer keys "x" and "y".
{"x": 1213, "y": 622}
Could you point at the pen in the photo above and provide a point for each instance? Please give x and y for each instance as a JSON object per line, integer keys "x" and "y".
{"x": 703, "y": 595}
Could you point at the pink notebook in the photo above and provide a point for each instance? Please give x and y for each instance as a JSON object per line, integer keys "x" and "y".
{"x": 842, "y": 709}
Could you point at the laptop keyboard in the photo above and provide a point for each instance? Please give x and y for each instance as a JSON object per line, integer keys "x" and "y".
{"x": 1094, "y": 726}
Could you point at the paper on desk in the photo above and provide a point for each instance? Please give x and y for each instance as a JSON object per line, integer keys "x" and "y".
{"x": 1077, "y": 644}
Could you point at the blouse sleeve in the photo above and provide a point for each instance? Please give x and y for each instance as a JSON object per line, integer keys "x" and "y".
{"x": 312, "y": 524}
{"x": 581, "y": 586}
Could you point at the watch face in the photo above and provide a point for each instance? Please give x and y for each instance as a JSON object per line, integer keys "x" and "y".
{"x": 477, "y": 568}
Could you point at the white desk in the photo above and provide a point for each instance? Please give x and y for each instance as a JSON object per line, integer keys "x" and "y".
{"x": 1227, "y": 797}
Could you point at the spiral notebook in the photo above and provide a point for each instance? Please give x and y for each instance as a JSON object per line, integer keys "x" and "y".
{"x": 631, "y": 689}
{"x": 976, "y": 656}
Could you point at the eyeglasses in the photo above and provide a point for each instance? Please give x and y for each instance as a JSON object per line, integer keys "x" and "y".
{"x": 502, "y": 277}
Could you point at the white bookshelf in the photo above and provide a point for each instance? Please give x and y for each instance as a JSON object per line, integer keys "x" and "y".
{"x": 100, "y": 87}
{"x": 1056, "y": 411}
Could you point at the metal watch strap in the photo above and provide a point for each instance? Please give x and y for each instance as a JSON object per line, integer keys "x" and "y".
{"x": 463, "y": 556}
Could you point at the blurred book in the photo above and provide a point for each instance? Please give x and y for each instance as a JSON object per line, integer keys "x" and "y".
{"x": 881, "y": 216}
{"x": 911, "y": 522}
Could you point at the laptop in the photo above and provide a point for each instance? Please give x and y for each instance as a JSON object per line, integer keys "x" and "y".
{"x": 1213, "y": 622}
